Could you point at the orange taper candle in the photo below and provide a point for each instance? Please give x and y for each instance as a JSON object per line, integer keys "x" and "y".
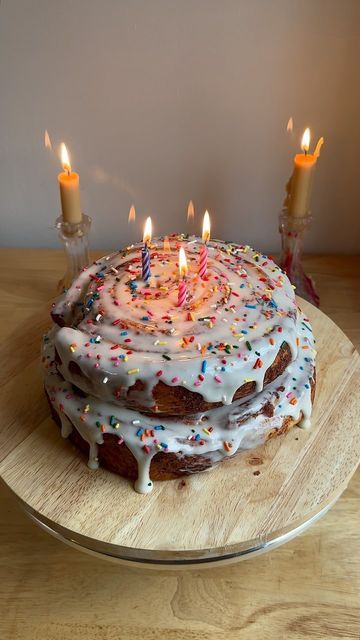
{"x": 69, "y": 190}
{"x": 301, "y": 181}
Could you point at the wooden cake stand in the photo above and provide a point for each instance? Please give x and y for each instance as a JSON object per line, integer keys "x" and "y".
{"x": 248, "y": 504}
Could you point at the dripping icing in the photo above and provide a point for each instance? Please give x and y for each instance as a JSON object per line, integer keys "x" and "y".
{"x": 239, "y": 424}
{"x": 246, "y": 302}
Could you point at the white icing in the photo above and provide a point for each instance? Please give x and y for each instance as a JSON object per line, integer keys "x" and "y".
{"x": 246, "y": 301}
{"x": 219, "y": 432}
{"x": 66, "y": 426}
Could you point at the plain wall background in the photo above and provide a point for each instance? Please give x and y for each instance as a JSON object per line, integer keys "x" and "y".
{"x": 161, "y": 101}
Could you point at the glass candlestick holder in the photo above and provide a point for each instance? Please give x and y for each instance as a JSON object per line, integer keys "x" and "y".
{"x": 292, "y": 231}
{"x": 75, "y": 238}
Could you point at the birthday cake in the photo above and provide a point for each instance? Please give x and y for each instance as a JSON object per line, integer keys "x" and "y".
{"x": 168, "y": 376}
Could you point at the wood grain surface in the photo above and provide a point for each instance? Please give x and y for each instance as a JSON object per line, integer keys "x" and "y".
{"x": 308, "y": 588}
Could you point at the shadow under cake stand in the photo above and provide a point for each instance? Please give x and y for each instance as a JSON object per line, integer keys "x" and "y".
{"x": 251, "y": 503}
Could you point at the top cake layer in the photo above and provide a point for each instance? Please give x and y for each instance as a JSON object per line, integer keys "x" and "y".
{"x": 127, "y": 341}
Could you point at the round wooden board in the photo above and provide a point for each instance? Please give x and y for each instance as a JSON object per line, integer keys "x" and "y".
{"x": 252, "y": 502}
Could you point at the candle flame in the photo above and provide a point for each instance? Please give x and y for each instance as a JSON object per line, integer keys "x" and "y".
{"x": 190, "y": 211}
{"x": 290, "y": 124}
{"x": 166, "y": 244}
{"x": 206, "y": 227}
{"x": 305, "y": 141}
{"x": 320, "y": 143}
{"x": 182, "y": 262}
{"x": 65, "y": 158}
{"x": 47, "y": 140}
{"x": 132, "y": 214}
{"x": 147, "y": 231}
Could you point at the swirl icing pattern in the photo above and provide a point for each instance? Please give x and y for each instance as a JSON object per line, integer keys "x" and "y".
{"x": 131, "y": 351}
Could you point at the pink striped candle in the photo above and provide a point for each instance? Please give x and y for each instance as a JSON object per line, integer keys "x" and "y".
{"x": 203, "y": 261}
{"x": 182, "y": 292}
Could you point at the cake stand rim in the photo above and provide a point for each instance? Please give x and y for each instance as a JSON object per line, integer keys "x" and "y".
{"x": 182, "y": 558}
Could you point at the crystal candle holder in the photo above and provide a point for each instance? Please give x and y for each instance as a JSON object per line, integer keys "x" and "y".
{"x": 292, "y": 231}
{"x": 75, "y": 238}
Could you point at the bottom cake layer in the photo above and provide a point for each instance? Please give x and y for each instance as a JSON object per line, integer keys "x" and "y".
{"x": 163, "y": 466}
{"x": 137, "y": 447}
{"x": 148, "y": 447}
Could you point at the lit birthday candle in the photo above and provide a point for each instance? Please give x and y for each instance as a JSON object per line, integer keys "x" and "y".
{"x": 203, "y": 248}
{"x": 182, "y": 281}
{"x": 145, "y": 254}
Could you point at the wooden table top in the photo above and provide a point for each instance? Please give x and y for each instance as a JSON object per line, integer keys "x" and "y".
{"x": 309, "y": 588}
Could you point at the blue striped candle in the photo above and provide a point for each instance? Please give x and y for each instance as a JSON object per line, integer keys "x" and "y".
{"x": 145, "y": 254}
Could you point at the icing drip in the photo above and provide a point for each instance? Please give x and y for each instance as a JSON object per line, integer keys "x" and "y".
{"x": 66, "y": 426}
{"x": 216, "y": 433}
{"x": 143, "y": 484}
{"x": 93, "y": 454}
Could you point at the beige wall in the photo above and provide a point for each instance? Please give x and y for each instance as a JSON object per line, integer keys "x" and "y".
{"x": 161, "y": 101}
